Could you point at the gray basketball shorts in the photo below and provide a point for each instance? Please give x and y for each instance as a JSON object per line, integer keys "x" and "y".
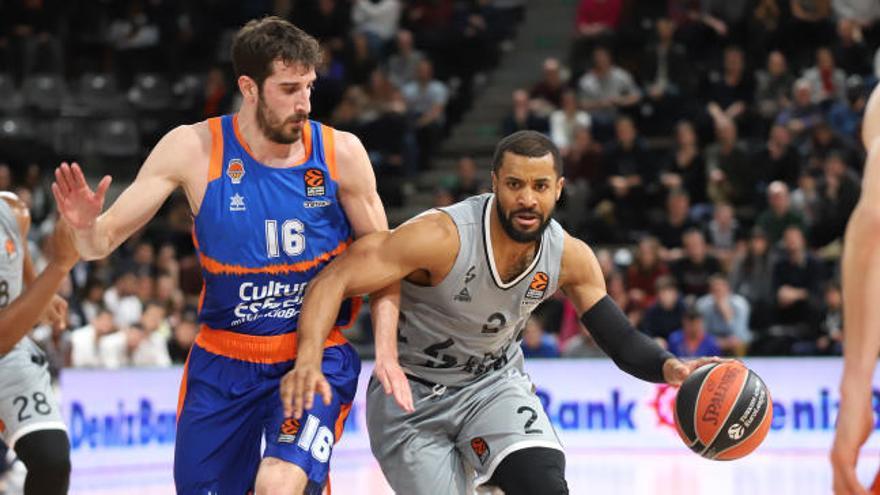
{"x": 458, "y": 436}
{"x": 27, "y": 401}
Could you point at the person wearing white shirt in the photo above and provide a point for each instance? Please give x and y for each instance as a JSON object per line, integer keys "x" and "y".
{"x": 564, "y": 121}
{"x": 98, "y": 344}
{"x": 147, "y": 345}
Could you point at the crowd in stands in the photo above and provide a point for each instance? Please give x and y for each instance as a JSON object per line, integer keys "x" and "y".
{"x": 710, "y": 148}
{"x": 714, "y": 147}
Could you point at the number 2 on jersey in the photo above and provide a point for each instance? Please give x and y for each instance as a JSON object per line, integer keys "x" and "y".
{"x": 292, "y": 239}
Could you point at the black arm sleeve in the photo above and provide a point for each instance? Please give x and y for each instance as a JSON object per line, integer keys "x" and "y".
{"x": 631, "y": 350}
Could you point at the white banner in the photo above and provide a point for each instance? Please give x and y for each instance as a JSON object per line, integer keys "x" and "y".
{"x": 122, "y": 423}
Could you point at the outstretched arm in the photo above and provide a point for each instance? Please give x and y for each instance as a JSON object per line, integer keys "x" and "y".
{"x": 631, "y": 350}
{"x": 364, "y": 211}
{"x": 97, "y": 236}
{"x": 861, "y": 314}
{"x": 371, "y": 263}
{"x": 17, "y": 319}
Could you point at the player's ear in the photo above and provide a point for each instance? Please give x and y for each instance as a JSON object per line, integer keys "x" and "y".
{"x": 494, "y": 182}
{"x": 560, "y": 182}
{"x": 248, "y": 88}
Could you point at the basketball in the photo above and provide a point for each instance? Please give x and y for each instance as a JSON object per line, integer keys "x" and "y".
{"x": 723, "y": 411}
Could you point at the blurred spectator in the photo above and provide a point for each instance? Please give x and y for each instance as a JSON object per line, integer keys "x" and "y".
{"x": 797, "y": 282}
{"x": 731, "y": 92}
{"x": 122, "y": 300}
{"x": 360, "y": 62}
{"x": 726, "y": 316}
{"x": 845, "y": 117}
{"x": 98, "y": 344}
{"x": 564, "y": 121}
{"x": 596, "y": 22}
{"x": 823, "y": 143}
{"x": 732, "y": 176}
{"x": 827, "y": 81}
{"x": 32, "y": 28}
{"x": 839, "y": 192}
{"x": 547, "y": 92}
{"x": 675, "y": 223}
{"x": 723, "y": 234}
{"x": 216, "y": 99}
{"x": 378, "y": 19}
{"x": 851, "y": 51}
{"x": 692, "y": 340}
{"x": 148, "y": 340}
{"x": 522, "y": 117}
{"x": 5, "y": 177}
{"x": 805, "y": 199}
{"x": 327, "y": 20}
{"x": 536, "y": 343}
{"x": 41, "y": 203}
{"x": 629, "y": 174}
{"x": 779, "y": 215}
{"x": 778, "y": 158}
{"x": 606, "y": 88}
{"x": 665, "y": 315}
{"x": 467, "y": 181}
{"x": 829, "y": 340}
{"x": 664, "y": 75}
{"x": 643, "y": 273}
{"x": 804, "y": 113}
{"x": 135, "y": 37}
{"x": 685, "y": 168}
{"x": 752, "y": 278}
{"x": 426, "y": 100}
{"x": 183, "y": 335}
{"x": 773, "y": 86}
{"x": 92, "y": 299}
{"x": 583, "y": 162}
{"x": 693, "y": 270}
{"x": 404, "y": 63}
{"x": 810, "y": 26}
{"x": 442, "y": 197}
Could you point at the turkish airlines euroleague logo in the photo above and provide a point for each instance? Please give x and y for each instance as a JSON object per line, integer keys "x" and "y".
{"x": 538, "y": 286}
{"x": 314, "y": 179}
{"x": 481, "y": 449}
{"x": 289, "y": 428}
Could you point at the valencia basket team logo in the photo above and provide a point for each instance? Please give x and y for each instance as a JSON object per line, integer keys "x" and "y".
{"x": 235, "y": 170}
{"x": 314, "y": 179}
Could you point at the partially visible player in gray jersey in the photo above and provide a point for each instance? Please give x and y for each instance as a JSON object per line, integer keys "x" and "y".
{"x": 30, "y": 419}
{"x": 472, "y": 274}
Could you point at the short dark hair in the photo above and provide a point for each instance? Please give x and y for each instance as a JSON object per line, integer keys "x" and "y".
{"x": 526, "y": 143}
{"x": 262, "y": 41}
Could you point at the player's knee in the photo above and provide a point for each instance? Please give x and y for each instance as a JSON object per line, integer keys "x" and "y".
{"x": 531, "y": 471}
{"x": 277, "y": 477}
{"x": 46, "y": 455}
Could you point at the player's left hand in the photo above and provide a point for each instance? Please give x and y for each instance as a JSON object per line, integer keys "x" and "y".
{"x": 394, "y": 381}
{"x": 675, "y": 371}
{"x": 299, "y": 386}
{"x": 855, "y": 421}
{"x": 55, "y": 314}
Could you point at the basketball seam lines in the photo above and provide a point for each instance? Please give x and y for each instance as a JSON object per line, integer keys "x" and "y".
{"x": 727, "y": 416}
{"x": 767, "y": 410}
{"x": 697, "y": 406}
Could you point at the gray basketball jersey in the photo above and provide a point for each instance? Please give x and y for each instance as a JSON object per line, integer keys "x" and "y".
{"x": 11, "y": 256}
{"x": 470, "y": 324}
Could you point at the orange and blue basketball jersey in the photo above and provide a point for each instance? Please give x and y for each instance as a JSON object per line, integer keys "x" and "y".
{"x": 262, "y": 234}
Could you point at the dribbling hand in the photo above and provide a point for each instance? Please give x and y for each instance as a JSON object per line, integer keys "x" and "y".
{"x": 78, "y": 204}
{"x": 299, "y": 386}
{"x": 676, "y": 371}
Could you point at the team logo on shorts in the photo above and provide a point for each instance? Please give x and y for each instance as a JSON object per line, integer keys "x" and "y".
{"x": 481, "y": 448}
{"x": 314, "y": 180}
{"x": 235, "y": 170}
{"x": 538, "y": 286}
{"x": 10, "y": 248}
{"x": 288, "y": 430}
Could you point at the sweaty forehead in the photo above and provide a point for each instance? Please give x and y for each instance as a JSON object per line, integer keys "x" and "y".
{"x": 293, "y": 72}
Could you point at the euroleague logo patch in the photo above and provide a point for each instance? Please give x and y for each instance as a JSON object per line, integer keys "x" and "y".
{"x": 538, "y": 286}
{"x": 314, "y": 179}
{"x": 289, "y": 428}
{"x": 10, "y": 248}
{"x": 235, "y": 170}
{"x": 481, "y": 448}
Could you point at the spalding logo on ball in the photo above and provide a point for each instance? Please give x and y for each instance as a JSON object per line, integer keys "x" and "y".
{"x": 723, "y": 411}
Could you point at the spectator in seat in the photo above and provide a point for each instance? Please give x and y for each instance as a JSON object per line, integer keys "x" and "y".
{"x": 536, "y": 343}
{"x": 522, "y": 116}
{"x": 665, "y": 315}
{"x": 606, "y": 89}
{"x": 693, "y": 270}
{"x": 564, "y": 121}
{"x": 426, "y": 100}
{"x": 726, "y": 316}
{"x": 779, "y": 215}
{"x": 692, "y": 340}
{"x": 547, "y": 93}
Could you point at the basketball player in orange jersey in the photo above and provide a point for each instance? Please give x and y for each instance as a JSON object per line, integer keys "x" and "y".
{"x": 861, "y": 314}
{"x": 30, "y": 419}
{"x": 275, "y": 197}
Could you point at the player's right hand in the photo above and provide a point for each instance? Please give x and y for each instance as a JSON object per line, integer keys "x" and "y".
{"x": 299, "y": 386}
{"x": 76, "y": 201}
{"x": 855, "y": 421}
{"x": 62, "y": 249}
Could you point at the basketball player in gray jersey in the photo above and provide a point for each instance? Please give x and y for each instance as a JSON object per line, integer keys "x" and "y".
{"x": 472, "y": 273}
{"x": 30, "y": 420}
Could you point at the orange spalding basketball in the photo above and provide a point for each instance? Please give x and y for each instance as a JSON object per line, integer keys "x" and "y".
{"x": 723, "y": 411}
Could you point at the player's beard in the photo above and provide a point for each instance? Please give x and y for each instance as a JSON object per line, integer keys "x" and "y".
{"x": 506, "y": 220}
{"x": 274, "y": 128}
